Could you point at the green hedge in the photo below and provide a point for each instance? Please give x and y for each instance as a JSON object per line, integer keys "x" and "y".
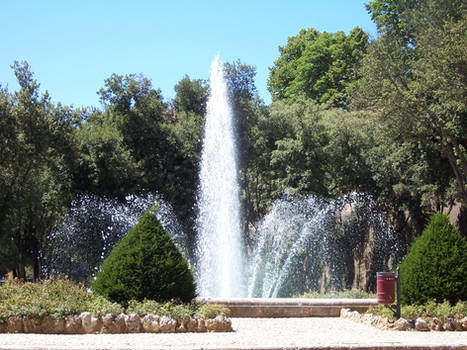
{"x": 436, "y": 266}
{"x": 57, "y": 298}
{"x": 145, "y": 265}
{"x": 62, "y": 298}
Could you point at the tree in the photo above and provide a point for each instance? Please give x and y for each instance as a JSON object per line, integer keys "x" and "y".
{"x": 106, "y": 165}
{"x": 34, "y": 183}
{"x": 248, "y": 109}
{"x": 298, "y": 159}
{"x": 317, "y": 65}
{"x": 388, "y": 16}
{"x": 416, "y": 87}
{"x": 191, "y": 96}
{"x": 145, "y": 264}
{"x": 397, "y": 17}
{"x": 137, "y": 111}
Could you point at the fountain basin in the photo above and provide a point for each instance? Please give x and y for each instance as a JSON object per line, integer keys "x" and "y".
{"x": 289, "y": 307}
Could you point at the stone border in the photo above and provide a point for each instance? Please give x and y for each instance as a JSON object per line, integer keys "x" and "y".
{"x": 86, "y": 323}
{"x": 420, "y": 324}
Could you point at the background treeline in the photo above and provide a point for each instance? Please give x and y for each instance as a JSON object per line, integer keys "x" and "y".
{"x": 384, "y": 116}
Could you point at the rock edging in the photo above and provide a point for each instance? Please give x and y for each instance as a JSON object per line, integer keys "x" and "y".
{"x": 420, "y": 324}
{"x": 86, "y": 323}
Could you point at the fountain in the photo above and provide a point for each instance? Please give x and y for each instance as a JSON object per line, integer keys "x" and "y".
{"x": 94, "y": 225}
{"x": 300, "y": 245}
{"x": 310, "y": 244}
{"x": 295, "y": 242}
{"x": 219, "y": 250}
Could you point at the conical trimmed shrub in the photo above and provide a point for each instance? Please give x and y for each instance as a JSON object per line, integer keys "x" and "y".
{"x": 436, "y": 265}
{"x": 145, "y": 264}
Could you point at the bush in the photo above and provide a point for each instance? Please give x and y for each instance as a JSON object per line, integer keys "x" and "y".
{"x": 442, "y": 310}
{"x": 62, "y": 298}
{"x": 436, "y": 265}
{"x": 56, "y": 298}
{"x": 145, "y": 265}
{"x": 211, "y": 311}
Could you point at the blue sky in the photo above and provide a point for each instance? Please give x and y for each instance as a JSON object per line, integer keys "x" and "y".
{"x": 73, "y": 46}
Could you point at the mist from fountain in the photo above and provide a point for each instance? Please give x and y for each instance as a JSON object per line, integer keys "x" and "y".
{"x": 301, "y": 237}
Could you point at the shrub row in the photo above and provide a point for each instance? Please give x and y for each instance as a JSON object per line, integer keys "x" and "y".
{"x": 61, "y": 298}
{"x": 431, "y": 309}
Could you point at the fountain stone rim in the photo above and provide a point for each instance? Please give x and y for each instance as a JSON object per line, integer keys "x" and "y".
{"x": 289, "y": 307}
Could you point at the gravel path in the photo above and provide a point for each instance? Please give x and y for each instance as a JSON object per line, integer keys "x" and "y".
{"x": 252, "y": 333}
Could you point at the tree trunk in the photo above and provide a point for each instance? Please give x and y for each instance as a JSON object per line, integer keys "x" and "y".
{"x": 21, "y": 265}
{"x": 462, "y": 221}
{"x": 36, "y": 260}
{"x": 460, "y": 176}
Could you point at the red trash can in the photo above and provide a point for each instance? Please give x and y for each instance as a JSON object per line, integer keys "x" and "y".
{"x": 385, "y": 287}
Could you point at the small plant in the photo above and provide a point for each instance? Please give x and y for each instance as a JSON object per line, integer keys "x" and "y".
{"x": 460, "y": 310}
{"x": 145, "y": 307}
{"x": 442, "y": 310}
{"x": 436, "y": 265}
{"x": 381, "y": 310}
{"x": 99, "y": 306}
{"x": 176, "y": 309}
{"x": 211, "y": 311}
{"x": 411, "y": 312}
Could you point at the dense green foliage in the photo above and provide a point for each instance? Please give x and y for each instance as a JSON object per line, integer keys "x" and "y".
{"x": 436, "y": 265}
{"x": 413, "y": 78}
{"x": 57, "y": 298}
{"x": 61, "y": 298}
{"x": 191, "y": 96}
{"x": 176, "y": 310}
{"x": 317, "y": 65}
{"x": 35, "y": 138}
{"x": 145, "y": 265}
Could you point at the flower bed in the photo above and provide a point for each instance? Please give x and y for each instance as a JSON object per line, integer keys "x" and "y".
{"x": 63, "y": 307}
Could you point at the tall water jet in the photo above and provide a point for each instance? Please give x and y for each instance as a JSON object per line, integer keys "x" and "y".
{"x": 219, "y": 250}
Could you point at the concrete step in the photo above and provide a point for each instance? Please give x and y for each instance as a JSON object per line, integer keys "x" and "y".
{"x": 289, "y": 307}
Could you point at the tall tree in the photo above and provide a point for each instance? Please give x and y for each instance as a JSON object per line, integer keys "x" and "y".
{"x": 106, "y": 165}
{"x": 191, "y": 96}
{"x": 317, "y": 65}
{"x": 249, "y": 109}
{"x": 138, "y": 112}
{"x": 34, "y": 183}
{"x": 417, "y": 86}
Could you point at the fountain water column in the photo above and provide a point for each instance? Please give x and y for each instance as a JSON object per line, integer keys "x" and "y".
{"x": 220, "y": 260}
